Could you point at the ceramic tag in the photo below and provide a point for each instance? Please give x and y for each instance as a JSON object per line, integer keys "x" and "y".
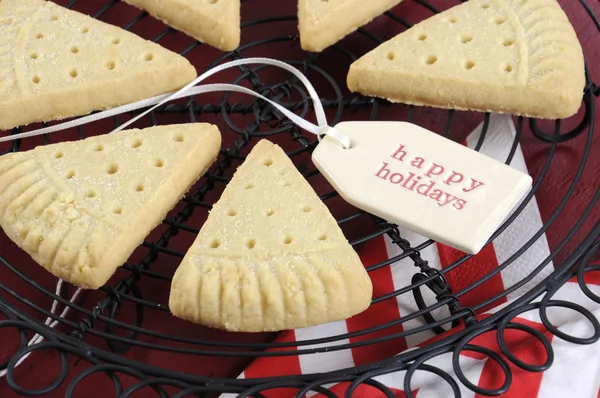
{"x": 412, "y": 177}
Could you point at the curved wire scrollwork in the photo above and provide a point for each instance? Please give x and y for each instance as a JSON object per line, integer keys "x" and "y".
{"x": 405, "y": 365}
{"x": 252, "y": 121}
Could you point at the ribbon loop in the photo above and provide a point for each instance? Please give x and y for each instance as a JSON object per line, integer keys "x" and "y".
{"x": 338, "y": 136}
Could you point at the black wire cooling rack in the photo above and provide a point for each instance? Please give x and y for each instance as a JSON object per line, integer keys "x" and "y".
{"x": 112, "y": 333}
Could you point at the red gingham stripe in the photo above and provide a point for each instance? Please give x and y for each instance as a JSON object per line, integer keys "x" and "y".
{"x": 276, "y": 366}
{"x": 471, "y": 271}
{"x": 364, "y": 391}
{"x": 592, "y": 278}
{"x": 373, "y": 253}
{"x": 526, "y": 348}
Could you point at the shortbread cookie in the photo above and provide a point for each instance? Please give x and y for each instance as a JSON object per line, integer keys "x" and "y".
{"x": 323, "y": 23}
{"x": 505, "y": 56}
{"x": 57, "y": 63}
{"x": 80, "y": 208}
{"x": 270, "y": 255}
{"x": 214, "y": 22}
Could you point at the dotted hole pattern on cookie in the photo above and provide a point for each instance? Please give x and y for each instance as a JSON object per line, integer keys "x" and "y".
{"x": 107, "y": 170}
{"x": 464, "y": 38}
{"x": 431, "y": 60}
{"x": 215, "y": 243}
{"x": 112, "y": 169}
{"x": 232, "y": 213}
{"x": 251, "y": 243}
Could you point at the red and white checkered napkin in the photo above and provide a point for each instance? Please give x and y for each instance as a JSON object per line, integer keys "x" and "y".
{"x": 576, "y": 369}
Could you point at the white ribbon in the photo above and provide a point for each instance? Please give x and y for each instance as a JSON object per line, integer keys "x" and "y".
{"x": 321, "y": 128}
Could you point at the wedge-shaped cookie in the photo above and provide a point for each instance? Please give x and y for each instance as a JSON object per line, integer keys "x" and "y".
{"x": 270, "y": 255}
{"x": 323, "y": 23}
{"x": 79, "y": 209}
{"x": 57, "y": 63}
{"x": 505, "y": 56}
{"x": 214, "y": 22}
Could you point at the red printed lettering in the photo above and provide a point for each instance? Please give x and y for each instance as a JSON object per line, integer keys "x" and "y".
{"x": 413, "y": 183}
{"x": 424, "y": 189}
{"x": 436, "y": 195}
{"x": 427, "y": 181}
{"x": 447, "y": 200}
{"x": 434, "y": 170}
{"x": 459, "y": 204}
{"x": 410, "y": 177}
{"x": 474, "y": 184}
{"x": 396, "y": 178}
{"x": 383, "y": 169}
{"x": 454, "y": 178}
{"x": 400, "y": 153}
{"x": 417, "y": 162}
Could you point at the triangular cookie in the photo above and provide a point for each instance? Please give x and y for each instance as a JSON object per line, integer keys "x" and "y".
{"x": 505, "y": 56}
{"x": 80, "y": 208}
{"x": 323, "y": 23}
{"x": 57, "y": 63}
{"x": 270, "y": 255}
{"x": 214, "y": 22}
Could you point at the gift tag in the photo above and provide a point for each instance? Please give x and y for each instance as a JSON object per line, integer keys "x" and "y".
{"x": 413, "y": 177}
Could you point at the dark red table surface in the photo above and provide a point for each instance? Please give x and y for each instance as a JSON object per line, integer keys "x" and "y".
{"x": 40, "y": 369}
